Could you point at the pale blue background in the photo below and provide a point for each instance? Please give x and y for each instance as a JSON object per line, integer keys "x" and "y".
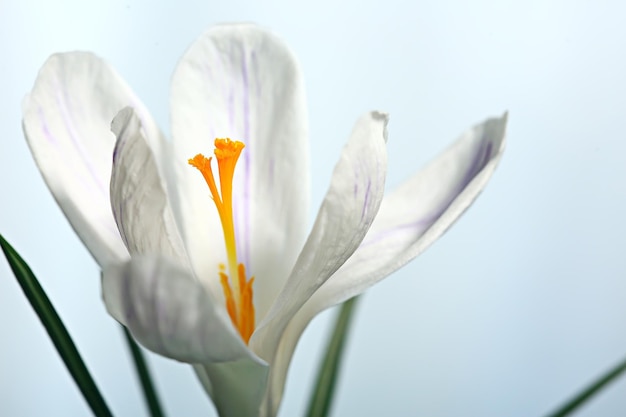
{"x": 517, "y": 307}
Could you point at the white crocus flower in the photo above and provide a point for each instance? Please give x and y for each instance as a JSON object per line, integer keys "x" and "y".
{"x": 179, "y": 251}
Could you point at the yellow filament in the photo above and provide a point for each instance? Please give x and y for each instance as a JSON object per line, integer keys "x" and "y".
{"x": 237, "y": 291}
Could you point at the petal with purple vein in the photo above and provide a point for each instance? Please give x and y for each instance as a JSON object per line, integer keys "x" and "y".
{"x": 242, "y": 82}
{"x": 348, "y": 210}
{"x": 409, "y": 220}
{"x": 66, "y": 121}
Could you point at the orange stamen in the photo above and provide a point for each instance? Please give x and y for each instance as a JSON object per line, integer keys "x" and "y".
{"x": 239, "y": 297}
{"x": 228, "y": 295}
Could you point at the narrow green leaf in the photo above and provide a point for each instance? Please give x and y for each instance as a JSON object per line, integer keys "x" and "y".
{"x": 322, "y": 396}
{"x": 586, "y": 394}
{"x": 150, "y": 395}
{"x": 56, "y": 330}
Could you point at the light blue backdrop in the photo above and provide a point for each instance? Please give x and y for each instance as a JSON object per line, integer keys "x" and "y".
{"x": 518, "y": 306}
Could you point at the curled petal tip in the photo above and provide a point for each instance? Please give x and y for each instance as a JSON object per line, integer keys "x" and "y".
{"x": 379, "y": 115}
{"x": 121, "y": 120}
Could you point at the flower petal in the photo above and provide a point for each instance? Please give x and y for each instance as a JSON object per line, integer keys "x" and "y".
{"x": 138, "y": 195}
{"x": 409, "y": 220}
{"x": 66, "y": 123}
{"x": 242, "y": 82}
{"x": 421, "y": 210}
{"x": 348, "y": 210}
{"x": 170, "y": 312}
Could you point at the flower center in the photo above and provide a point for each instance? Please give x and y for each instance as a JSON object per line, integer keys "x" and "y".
{"x": 237, "y": 289}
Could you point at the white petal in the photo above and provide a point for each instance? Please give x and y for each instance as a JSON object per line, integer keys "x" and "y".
{"x": 237, "y": 388}
{"x": 66, "y": 122}
{"x": 170, "y": 312}
{"x": 241, "y": 82}
{"x": 417, "y": 213}
{"x": 409, "y": 220}
{"x": 350, "y": 206}
{"x": 138, "y": 195}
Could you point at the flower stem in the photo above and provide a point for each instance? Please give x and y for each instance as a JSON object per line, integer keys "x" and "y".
{"x": 56, "y": 330}
{"x": 590, "y": 391}
{"x": 150, "y": 395}
{"x": 322, "y": 396}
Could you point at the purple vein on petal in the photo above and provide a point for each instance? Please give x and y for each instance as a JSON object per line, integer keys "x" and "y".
{"x": 480, "y": 160}
{"x": 81, "y": 178}
{"x": 65, "y": 114}
{"x": 366, "y": 199}
{"x": 46, "y": 130}
{"x": 255, "y": 73}
{"x": 247, "y": 162}
{"x": 231, "y": 108}
{"x": 208, "y": 73}
{"x": 478, "y": 163}
{"x": 56, "y": 144}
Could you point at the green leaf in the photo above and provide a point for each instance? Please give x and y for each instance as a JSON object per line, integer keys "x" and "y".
{"x": 322, "y": 396}
{"x": 56, "y": 330}
{"x": 150, "y": 395}
{"x": 588, "y": 392}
